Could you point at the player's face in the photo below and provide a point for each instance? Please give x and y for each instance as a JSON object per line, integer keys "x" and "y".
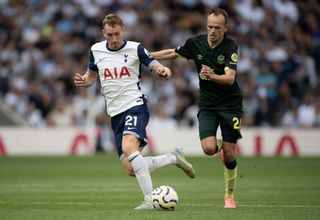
{"x": 114, "y": 36}
{"x": 216, "y": 28}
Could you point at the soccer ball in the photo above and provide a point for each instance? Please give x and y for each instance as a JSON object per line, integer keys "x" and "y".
{"x": 164, "y": 198}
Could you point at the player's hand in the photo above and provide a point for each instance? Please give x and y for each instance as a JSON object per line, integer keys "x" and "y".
{"x": 164, "y": 72}
{"x": 79, "y": 80}
{"x": 206, "y": 72}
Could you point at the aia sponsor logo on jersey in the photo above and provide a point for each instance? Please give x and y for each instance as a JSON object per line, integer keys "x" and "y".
{"x": 116, "y": 73}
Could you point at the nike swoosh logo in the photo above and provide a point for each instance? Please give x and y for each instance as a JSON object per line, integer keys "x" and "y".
{"x": 102, "y": 59}
{"x": 131, "y": 128}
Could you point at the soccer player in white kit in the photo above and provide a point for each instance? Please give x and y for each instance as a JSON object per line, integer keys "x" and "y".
{"x": 118, "y": 63}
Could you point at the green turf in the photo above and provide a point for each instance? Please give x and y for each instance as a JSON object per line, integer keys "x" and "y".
{"x": 97, "y": 188}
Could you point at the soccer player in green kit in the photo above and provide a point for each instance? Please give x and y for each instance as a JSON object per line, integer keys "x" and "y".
{"x": 220, "y": 99}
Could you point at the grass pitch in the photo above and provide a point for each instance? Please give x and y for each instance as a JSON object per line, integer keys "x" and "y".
{"x": 97, "y": 188}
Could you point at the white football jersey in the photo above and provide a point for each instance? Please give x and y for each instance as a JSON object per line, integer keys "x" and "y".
{"x": 119, "y": 72}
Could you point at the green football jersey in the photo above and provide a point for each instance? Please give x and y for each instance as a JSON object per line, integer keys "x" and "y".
{"x": 213, "y": 95}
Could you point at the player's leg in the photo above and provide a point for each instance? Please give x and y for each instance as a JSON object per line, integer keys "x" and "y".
{"x": 230, "y": 129}
{"x": 230, "y": 173}
{"x": 175, "y": 157}
{"x": 210, "y": 145}
{"x": 156, "y": 162}
{"x": 208, "y": 125}
{"x": 130, "y": 134}
{"x": 130, "y": 145}
{"x": 127, "y": 167}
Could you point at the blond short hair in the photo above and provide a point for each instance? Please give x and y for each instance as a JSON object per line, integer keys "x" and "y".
{"x": 112, "y": 20}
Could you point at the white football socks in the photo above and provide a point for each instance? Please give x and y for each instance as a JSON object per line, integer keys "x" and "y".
{"x": 160, "y": 161}
{"x": 142, "y": 173}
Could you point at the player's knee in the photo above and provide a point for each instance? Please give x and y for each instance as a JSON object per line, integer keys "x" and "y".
{"x": 209, "y": 150}
{"x": 229, "y": 156}
{"x": 127, "y": 149}
{"x": 130, "y": 144}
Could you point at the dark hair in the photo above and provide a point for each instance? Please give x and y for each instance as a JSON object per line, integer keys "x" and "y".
{"x": 112, "y": 20}
{"x": 219, "y": 11}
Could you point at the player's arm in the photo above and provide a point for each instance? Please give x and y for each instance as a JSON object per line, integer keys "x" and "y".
{"x": 226, "y": 79}
{"x": 229, "y": 76}
{"x": 165, "y": 54}
{"x": 154, "y": 65}
{"x": 185, "y": 50}
{"x": 86, "y": 80}
{"x": 161, "y": 70}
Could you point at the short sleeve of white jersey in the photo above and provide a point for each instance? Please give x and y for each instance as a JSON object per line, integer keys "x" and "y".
{"x": 145, "y": 57}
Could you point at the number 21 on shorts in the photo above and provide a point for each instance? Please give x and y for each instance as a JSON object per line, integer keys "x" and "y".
{"x": 131, "y": 121}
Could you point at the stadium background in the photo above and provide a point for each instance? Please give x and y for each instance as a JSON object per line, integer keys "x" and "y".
{"x": 44, "y": 43}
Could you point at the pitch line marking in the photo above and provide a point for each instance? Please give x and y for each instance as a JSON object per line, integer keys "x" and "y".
{"x": 184, "y": 204}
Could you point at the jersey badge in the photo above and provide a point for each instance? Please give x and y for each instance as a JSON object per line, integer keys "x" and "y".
{"x": 234, "y": 57}
{"x": 221, "y": 59}
{"x": 199, "y": 57}
{"x": 125, "y": 57}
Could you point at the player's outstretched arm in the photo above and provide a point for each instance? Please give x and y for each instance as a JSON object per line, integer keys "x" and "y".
{"x": 165, "y": 54}
{"x": 86, "y": 80}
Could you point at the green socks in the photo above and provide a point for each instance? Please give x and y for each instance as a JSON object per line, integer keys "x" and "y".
{"x": 230, "y": 176}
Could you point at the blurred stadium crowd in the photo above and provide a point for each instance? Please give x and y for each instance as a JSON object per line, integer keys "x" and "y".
{"x": 45, "y": 42}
